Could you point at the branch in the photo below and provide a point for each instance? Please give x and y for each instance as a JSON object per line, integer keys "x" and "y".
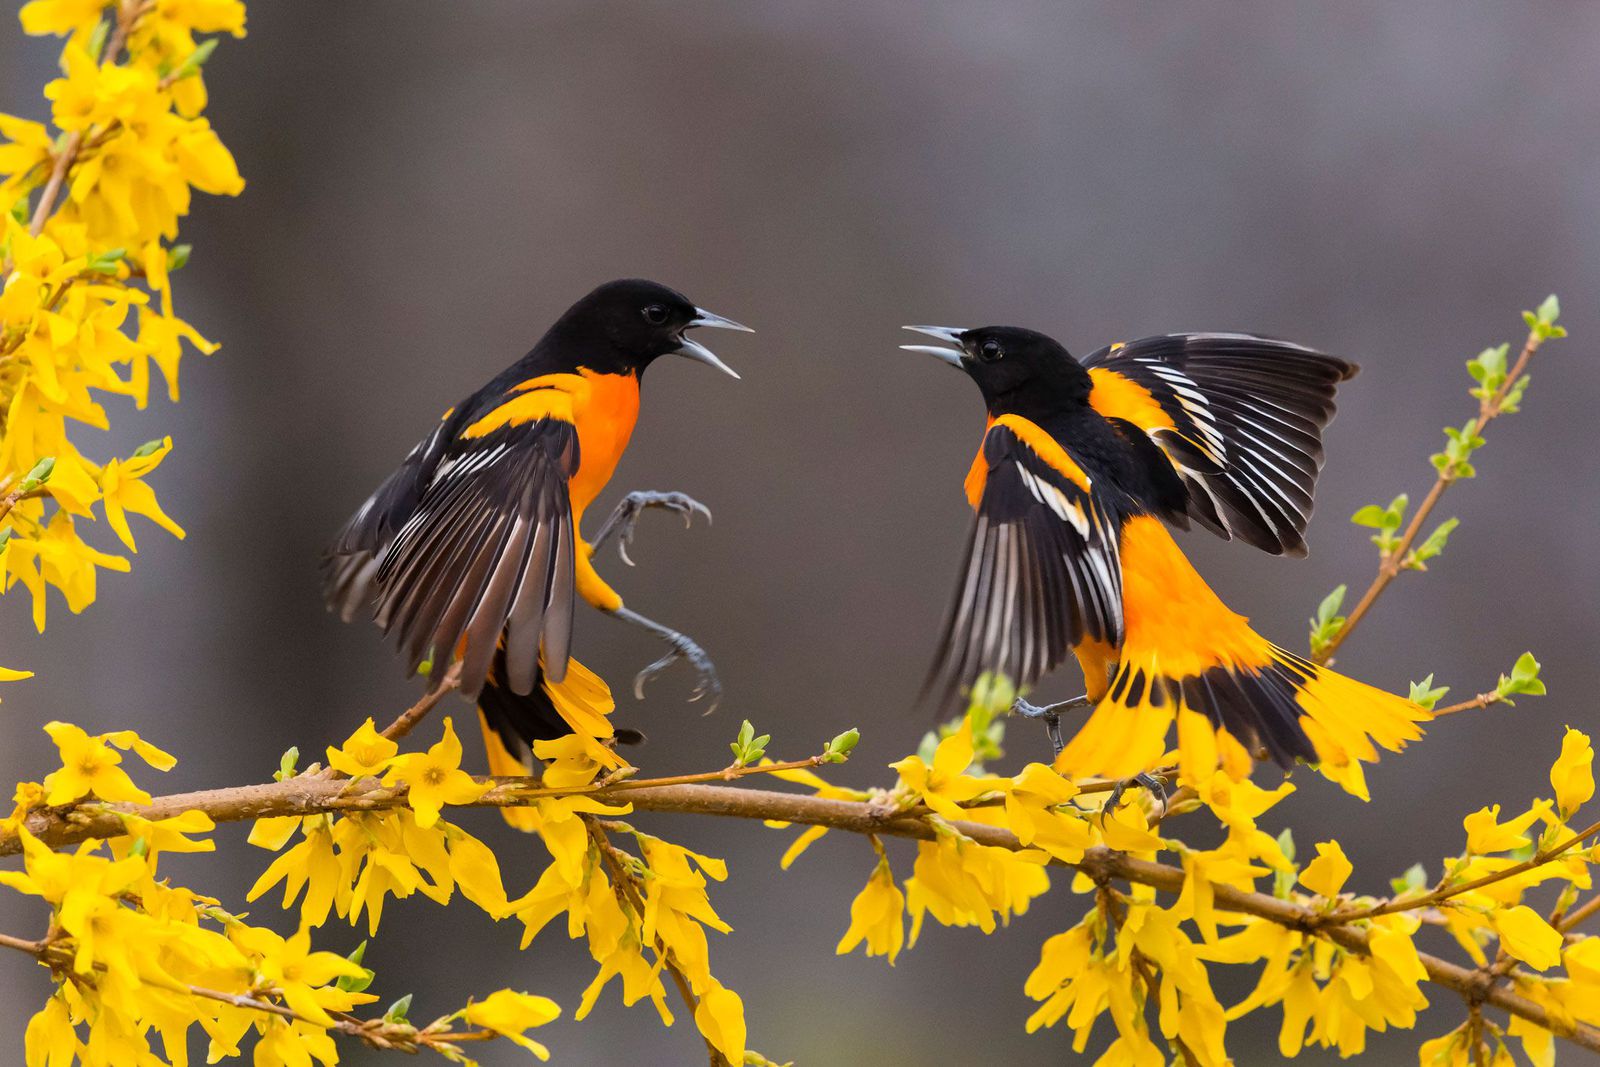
{"x": 1389, "y": 568}
{"x": 307, "y": 796}
{"x": 375, "y": 1033}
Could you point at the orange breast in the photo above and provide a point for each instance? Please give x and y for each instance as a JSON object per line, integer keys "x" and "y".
{"x": 605, "y": 413}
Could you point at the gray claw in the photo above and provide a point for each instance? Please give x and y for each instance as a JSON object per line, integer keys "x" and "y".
{"x": 625, "y": 517}
{"x": 685, "y": 648}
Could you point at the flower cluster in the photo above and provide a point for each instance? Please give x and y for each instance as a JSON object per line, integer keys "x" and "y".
{"x": 88, "y": 219}
{"x": 137, "y": 959}
{"x": 1339, "y": 965}
{"x": 644, "y": 915}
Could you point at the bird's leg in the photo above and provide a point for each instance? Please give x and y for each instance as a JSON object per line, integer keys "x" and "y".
{"x": 1143, "y": 780}
{"x": 625, "y": 516}
{"x": 681, "y": 647}
{"x": 1051, "y": 714}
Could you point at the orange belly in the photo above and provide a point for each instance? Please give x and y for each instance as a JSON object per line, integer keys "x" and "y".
{"x": 605, "y": 413}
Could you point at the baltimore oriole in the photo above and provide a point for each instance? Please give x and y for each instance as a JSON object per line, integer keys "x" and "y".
{"x": 1081, "y": 466}
{"x": 473, "y": 550}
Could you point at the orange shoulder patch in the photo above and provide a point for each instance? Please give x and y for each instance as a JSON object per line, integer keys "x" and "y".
{"x": 1046, "y": 447}
{"x": 1117, "y": 397}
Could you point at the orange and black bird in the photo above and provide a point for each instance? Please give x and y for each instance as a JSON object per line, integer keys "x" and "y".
{"x": 472, "y": 550}
{"x": 1083, "y": 467}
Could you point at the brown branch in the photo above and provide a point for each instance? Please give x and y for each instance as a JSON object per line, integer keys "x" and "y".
{"x": 1389, "y": 568}
{"x": 1482, "y": 700}
{"x": 375, "y": 1033}
{"x": 308, "y": 796}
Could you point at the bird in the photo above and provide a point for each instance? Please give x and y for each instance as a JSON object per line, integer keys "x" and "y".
{"x": 471, "y": 553}
{"x": 1082, "y": 469}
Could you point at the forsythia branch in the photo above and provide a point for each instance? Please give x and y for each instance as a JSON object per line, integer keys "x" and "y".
{"x": 307, "y": 796}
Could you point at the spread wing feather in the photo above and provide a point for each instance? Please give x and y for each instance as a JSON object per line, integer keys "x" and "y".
{"x": 1246, "y": 418}
{"x": 470, "y": 540}
{"x": 1041, "y": 574}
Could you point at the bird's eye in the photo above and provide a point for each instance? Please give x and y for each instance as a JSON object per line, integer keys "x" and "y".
{"x": 655, "y": 314}
{"x": 990, "y": 351}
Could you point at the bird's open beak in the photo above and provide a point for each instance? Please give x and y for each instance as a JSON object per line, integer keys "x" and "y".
{"x": 692, "y": 349}
{"x": 951, "y": 334}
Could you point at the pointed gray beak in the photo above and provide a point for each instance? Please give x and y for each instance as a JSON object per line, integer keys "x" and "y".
{"x": 951, "y": 334}
{"x": 692, "y": 349}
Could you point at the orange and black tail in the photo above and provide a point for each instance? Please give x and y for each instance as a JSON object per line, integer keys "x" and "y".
{"x": 1186, "y": 659}
{"x": 578, "y": 704}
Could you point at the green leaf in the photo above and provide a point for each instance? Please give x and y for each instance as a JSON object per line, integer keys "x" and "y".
{"x": 106, "y": 262}
{"x": 39, "y": 475}
{"x": 353, "y": 984}
{"x": 149, "y": 448}
{"x": 197, "y": 59}
{"x": 840, "y": 747}
{"x": 1418, "y": 557}
{"x": 178, "y": 257}
{"x": 1511, "y": 403}
{"x": 1327, "y": 623}
{"x": 1542, "y": 323}
{"x": 1413, "y": 880}
{"x": 1489, "y": 371}
{"x": 286, "y": 764}
{"x": 1425, "y": 693}
{"x": 749, "y": 748}
{"x": 397, "y": 1011}
{"x": 97, "y": 39}
{"x": 1283, "y": 881}
{"x": 1523, "y": 680}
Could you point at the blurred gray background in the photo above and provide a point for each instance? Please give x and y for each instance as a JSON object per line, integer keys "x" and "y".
{"x": 431, "y": 183}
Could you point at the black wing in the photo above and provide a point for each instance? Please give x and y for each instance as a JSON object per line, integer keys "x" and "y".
{"x": 488, "y": 549}
{"x": 351, "y": 562}
{"x": 1246, "y": 415}
{"x": 1042, "y": 572}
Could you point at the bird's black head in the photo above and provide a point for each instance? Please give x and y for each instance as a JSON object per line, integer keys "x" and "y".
{"x": 623, "y": 326}
{"x": 1019, "y": 371}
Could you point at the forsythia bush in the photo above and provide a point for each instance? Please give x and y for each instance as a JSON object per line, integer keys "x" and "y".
{"x": 140, "y": 967}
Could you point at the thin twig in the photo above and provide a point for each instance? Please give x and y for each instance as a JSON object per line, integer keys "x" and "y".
{"x": 1393, "y": 562}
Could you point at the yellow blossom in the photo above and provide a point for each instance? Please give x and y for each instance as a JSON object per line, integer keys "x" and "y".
{"x": 1525, "y": 935}
{"x": 1573, "y": 773}
{"x": 945, "y": 785}
{"x": 1486, "y": 834}
{"x": 720, "y": 1017}
{"x": 90, "y": 766}
{"x": 877, "y": 916}
{"x": 1326, "y": 874}
{"x": 509, "y": 1014}
{"x": 365, "y": 754}
{"x": 435, "y": 778}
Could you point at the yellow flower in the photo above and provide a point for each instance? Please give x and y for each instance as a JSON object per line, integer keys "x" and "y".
{"x": 877, "y": 916}
{"x": 301, "y": 976}
{"x": 61, "y": 16}
{"x": 125, "y": 491}
{"x": 50, "y": 1040}
{"x": 509, "y": 1014}
{"x": 1573, "y": 773}
{"x": 1326, "y": 874}
{"x": 435, "y": 778}
{"x": 366, "y": 754}
{"x": 90, "y": 766}
{"x": 1486, "y": 834}
{"x": 720, "y": 1017}
{"x": 311, "y": 865}
{"x": 1525, "y": 935}
{"x": 944, "y": 786}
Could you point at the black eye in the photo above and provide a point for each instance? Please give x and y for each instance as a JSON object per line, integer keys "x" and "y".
{"x": 655, "y": 314}
{"x": 990, "y": 351}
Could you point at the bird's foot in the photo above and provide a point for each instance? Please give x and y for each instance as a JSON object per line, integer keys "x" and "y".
{"x": 625, "y": 516}
{"x": 1051, "y": 714}
{"x": 686, "y": 649}
{"x": 1156, "y": 787}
